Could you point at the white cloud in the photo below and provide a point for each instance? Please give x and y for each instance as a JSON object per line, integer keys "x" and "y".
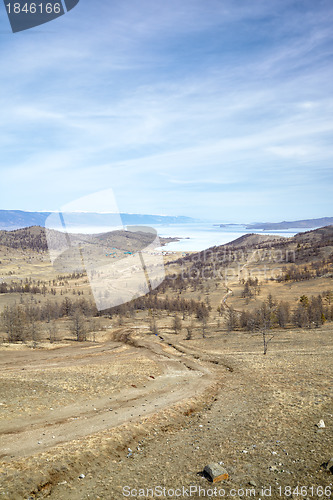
{"x": 165, "y": 96}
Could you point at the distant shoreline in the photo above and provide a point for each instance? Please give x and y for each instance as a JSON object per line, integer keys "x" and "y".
{"x": 276, "y": 226}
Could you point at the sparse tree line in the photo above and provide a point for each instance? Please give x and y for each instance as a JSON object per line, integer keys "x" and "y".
{"x": 251, "y": 287}
{"x": 22, "y": 322}
{"x": 152, "y": 302}
{"x": 308, "y": 249}
{"x": 307, "y": 272}
{"x": 22, "y": 288}
{"x": 40, "y": 287}
{"x": 177, "y": 326}
{"x": 309, "y": 313}
{"x": 72, "y": 276}
{"x": 181, "y": 282}
{"x": 34, "y": 289}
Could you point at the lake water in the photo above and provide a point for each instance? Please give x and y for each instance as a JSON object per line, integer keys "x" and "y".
{"x": 193, "y": 237}
{"x": 199, "y": 236}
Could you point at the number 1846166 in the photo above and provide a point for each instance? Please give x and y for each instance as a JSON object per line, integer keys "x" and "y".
{"x": 34, "y": 8}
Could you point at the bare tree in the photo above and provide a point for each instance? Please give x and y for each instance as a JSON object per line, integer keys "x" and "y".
{"x": 33, "y": 330}
{"x": 232, "y": 319}
{"x": 13, "y": 320}
{"x": 93, "y": 327}
{"x": 153, "y": 327}
{"x": 203, "y": 327}
{"x": 52, "y": 331}
{"x": 283, "y": 314}
{"x": 189, "y": 333}
{"x": 177, "y": 324}
{"x": 266, "y": 341}
{"x": 189, "y": 329}
{"x": 78, "y": 326}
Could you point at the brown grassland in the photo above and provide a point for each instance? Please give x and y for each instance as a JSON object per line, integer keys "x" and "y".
{"x": 148, "y": 393}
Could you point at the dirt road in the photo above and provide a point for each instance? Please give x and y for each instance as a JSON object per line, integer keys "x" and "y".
{"x": 178, "y": 378}
{"x": 261, "y": 422}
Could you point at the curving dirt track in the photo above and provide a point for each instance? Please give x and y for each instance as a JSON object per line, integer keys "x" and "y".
{"x": 259, "y": 419}
{"x": 167, "y": 378}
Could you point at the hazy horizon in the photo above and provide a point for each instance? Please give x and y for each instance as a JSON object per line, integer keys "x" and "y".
{"x": 193, "y": 220}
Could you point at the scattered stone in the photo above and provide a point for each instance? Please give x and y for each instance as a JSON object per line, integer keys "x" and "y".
{"x": 328, "y": 465}
{"x": 253, "y": 483}
{"x": 321, "y": 424}
{"x": 216, "y": 473}
{"x": 82, "y": 476}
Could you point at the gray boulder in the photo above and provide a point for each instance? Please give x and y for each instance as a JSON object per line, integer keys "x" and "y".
{"x": 215, "y": 472}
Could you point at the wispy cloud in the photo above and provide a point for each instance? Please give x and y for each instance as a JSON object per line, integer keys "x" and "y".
{"x": 169, "y": 104}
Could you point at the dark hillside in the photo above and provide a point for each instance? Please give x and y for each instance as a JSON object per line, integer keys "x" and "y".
{"x": 34, "y": 238}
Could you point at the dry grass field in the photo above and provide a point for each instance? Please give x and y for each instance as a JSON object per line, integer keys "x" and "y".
{"x": 137, "y": 406}
{"x": 178, "y": 408}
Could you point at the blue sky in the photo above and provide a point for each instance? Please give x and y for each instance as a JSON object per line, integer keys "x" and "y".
{"x": 213, "y": 109}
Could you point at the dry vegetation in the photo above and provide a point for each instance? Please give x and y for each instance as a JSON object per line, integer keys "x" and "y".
{"x": 178, "y": 376}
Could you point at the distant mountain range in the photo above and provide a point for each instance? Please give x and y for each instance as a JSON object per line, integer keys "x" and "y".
{"x": 296, "y": 224}
{"x": 18, "y": 219}
{"x": 306, "y": 223}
